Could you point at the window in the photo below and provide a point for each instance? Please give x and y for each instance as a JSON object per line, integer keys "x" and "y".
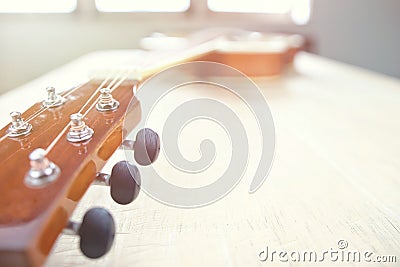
{"x": 299, "y": 10}
{"x": 250, "y": 6}
{"x": 142, "y": 5}
{"x": 37, "y": 6}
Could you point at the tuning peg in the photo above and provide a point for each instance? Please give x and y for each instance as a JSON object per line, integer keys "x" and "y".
{"x": 96, "y": 232}
{"x": 18, "y": 126}
{"x": 146, "y": 147}
{"x": 106, "y": 101}
{"x": 124, "y": 182}
{"x": 42, "y": 171}
{"x": 79, "y": 131}
{"x": 53, "y": 100}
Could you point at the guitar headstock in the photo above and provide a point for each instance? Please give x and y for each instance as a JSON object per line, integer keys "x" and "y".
{"x": 52, "y": 153}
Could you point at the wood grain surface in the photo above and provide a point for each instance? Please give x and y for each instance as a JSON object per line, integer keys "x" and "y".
{"x": 335, "y": 177}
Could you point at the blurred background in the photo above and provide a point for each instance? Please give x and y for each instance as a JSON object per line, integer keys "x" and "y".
{"x": 36, "y": 36}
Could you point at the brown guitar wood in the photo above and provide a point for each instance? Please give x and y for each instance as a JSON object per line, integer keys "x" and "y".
{"x": 262, "y": 64}
{"x": 31, "y": 218}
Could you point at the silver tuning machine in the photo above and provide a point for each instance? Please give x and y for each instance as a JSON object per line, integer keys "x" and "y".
{"x": 96, "y": 232}
{"x": 106, "y": 101}
{"x": 42, "y": 170}
{"x": 53, "y": 99}
{"x": 18, "y": 126}
{"x": 79, "y": 131}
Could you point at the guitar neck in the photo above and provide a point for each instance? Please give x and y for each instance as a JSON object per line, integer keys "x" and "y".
{"x": 165, "y": 59}
{"x": 269, "y": 53}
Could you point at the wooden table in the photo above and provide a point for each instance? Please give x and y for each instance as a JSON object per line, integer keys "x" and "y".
{"x": 336, "y": 176}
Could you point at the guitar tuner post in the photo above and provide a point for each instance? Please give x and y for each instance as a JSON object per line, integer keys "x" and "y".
{"x": 79, "y": 131}
{"x": 42, "y": 170}
{"x": 18, "y": 126}
{"x": 53, "y": 99}
{"x": 106, "y": 101}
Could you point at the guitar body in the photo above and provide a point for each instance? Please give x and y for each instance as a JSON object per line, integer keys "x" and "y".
{"x": 252, "y": 53}
{"x": 262, "y": 64}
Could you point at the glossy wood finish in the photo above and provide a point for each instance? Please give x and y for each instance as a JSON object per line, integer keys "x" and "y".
{"x": 251, "y": 64}
{"x": 32, "y": 218}
{"x": 252, "y": 53}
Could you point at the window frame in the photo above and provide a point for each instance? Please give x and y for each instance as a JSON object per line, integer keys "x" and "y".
{"x": 198, "y": 13}
{"x": 280, "y": 18}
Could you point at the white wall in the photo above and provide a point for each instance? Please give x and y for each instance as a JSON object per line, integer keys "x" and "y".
{"x": 361, "y": 32}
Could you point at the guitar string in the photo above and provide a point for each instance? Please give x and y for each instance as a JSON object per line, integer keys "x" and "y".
{"x": 43, "y": 109}
{"x": 68, "y": 124}
{"x": 144, "y": 63}
{"x": 95, "y": 92}
{"x": 3, "y": 137}
{"x": 114, "y": 86}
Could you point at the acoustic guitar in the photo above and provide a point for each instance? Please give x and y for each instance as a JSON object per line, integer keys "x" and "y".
{"x": 51, "y": 153}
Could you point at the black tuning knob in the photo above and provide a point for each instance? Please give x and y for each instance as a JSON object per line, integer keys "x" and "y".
{"x": 124, "y": 182}
{"x": 96, "y": 232}
{"x": 146, "y": 146}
